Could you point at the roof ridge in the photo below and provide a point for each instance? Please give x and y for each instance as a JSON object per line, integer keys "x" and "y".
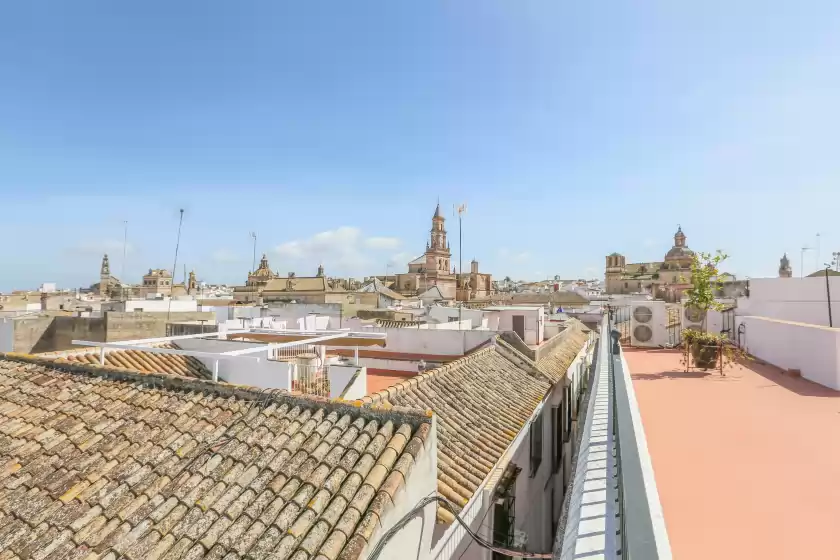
{"x": 225, "y": 390}
{"x": 397, "y": 388}
{"x": 507, "y": 350}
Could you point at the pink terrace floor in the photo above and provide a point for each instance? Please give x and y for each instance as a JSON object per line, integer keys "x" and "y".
{"x": 747, "y": 465}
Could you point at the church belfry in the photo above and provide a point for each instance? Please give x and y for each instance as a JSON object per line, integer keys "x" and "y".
{"x": 104, "y": 277}
{"x": 679, "y": 237}
{"x": 785, "y": 270}
{"x": 438, "y": 233}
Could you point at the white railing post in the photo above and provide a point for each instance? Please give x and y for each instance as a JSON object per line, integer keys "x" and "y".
{"x": 356, "y": 355}
{"x": 101, "y": 355}
{"x": 215, "y": 370}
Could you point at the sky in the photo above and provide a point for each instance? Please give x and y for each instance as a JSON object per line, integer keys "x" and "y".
{"x": 331, "y": 129}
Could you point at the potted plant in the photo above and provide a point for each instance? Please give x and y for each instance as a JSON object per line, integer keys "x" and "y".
{"x": 705, "y": 347}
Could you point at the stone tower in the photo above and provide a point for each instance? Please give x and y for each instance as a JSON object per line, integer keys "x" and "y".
{"x": 615, "y": 268}
{"x": 679, "y": 237}
{"x": 785, "y": 271}
{"x": 437, "y": 249}
{"x": 104, "y": 277}
{"x": 192, "y": 285}
{"x": 320, "y": 271}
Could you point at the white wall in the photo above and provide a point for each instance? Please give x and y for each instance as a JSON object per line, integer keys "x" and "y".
{"x": 430, "y": 341}
{"x": 441, "y": 314}
{"x": 7, "y": 335}
{"x": 533, "y": 495}
{"x": 291, "y": 312}
{"x": 537, "y": 520}
{"x": 534, "y": 322}
{"x": 812, "y": 349}
{"x": 464, "y": 325}
{"x": 398, "y": 365}
{"x": 803, "y": 300}
{"x": 243, "y": 370}
{"x": 414, "y": 540}
{"x": 340, "y": 375}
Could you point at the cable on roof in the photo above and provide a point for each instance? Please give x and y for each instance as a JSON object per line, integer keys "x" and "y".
{"x": 377, "y": 550}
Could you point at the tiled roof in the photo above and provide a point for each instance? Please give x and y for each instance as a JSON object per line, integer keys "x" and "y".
{"x": 139, "y": 360}
{"x": 555, "y": 362}
{"x": 482, "y": 401}
{"x": 103, "y": 463}
{"x": 386, "y": 323}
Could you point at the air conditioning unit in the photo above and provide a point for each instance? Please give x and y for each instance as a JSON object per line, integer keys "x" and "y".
{"x": 648, "y": 324}
{"x": 692, "y": 318}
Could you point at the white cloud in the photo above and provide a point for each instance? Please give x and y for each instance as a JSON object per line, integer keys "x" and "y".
{"x": 401, "y": 259}
{"x": 224, "y": 256}
{"x": 344, "y": 250}
{"x": 382, "y": 242}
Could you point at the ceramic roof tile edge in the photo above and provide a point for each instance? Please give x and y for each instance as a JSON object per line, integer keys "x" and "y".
{"x": 383, "y": 395}
{"x": 493, "y": 345}
{"x": 226, "y": 390}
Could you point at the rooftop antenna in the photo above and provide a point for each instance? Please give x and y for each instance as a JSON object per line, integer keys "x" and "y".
{"x": 122, "y": 272}
{"x": 125, "y": 244}
{"x": 462, "y": 209}
{"x": 175, "y": 265}
{"x": 254, "y": 259}
{"x": 802, "y": 261}
{"x": 817, "y": 256}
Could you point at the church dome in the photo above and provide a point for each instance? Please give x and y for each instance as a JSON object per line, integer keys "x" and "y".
{"x": 679, "y": 253}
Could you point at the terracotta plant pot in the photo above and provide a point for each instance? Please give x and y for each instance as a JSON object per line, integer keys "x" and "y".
{"x": 705, "y": 355}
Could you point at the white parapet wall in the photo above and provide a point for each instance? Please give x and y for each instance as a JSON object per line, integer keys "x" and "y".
{"x": 804, "y": 300}
{"x": 348, "y": 382}
{"x": 812, "y": 349}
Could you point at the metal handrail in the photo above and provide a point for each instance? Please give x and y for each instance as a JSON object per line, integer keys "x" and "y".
{"x": 637, "y": 536}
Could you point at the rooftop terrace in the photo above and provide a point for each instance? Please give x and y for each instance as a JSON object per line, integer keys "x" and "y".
{"x": 746, "y": 464}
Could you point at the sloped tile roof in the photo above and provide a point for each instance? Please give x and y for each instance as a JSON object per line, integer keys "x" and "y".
{"x": 555, "y": 362}
{"x": 482, "y": 401}
{"x": 140, "y": 361}
{"x": 144, "y": 466}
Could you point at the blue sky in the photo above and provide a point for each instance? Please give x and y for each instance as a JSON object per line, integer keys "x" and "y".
{"x": 571, "y": 130}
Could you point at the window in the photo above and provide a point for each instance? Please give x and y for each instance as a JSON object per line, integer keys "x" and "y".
{"x": 557, "y": 439}
{"x": 536, "y": 444}
{"x": 567, "y": 416}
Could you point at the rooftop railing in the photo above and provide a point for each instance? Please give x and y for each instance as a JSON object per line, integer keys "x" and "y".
{"x": 613, "y": 509}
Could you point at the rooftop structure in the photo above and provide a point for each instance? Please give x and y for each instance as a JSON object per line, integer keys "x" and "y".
{"x": 137, "y": 360}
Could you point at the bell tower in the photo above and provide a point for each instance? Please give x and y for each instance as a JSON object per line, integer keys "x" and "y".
{"x": 104, "y": 277}
{"x": 679, "y": 237}
{"x": 785, "y": 271}
{"x": 437, "y": 239}
{"x": 437, "y": 249}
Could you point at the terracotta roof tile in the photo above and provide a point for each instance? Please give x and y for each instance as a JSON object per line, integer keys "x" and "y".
{"x": 144, "y": 466}
{"x": 555, "y": 363}
{"x": 482, "y": 401}
{"x": 138, "y": 360}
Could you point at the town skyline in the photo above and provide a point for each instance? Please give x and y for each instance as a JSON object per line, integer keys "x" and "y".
{"x": 566, "y": 146}
{"x": 345, "y": 251}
